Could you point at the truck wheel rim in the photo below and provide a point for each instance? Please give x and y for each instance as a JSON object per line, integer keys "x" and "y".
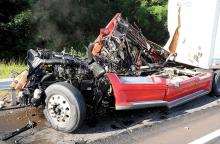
{"x": 59, "y": 109}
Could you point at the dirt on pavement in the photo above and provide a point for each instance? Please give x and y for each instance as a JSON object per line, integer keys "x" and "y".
{"x": 13, "y": 119}
{"x": 112, "y": 124}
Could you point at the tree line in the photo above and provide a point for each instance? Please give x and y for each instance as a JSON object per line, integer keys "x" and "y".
{"x": 72, "y": 24}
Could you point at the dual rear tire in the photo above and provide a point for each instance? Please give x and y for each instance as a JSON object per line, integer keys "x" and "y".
{"x": 216, "y": 83}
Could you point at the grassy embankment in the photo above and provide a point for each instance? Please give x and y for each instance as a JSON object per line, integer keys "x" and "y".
{"x": 7, "y": 68}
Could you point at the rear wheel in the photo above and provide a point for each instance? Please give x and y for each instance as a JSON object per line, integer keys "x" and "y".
{"x": 216, "y": 83}
{"x": 65, "y": 107}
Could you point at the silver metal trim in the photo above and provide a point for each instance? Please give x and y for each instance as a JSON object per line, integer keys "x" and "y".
{"x": 187, "y": 98}
{"x": 161, "y": 103}
{"x": 144, "y": 104}
{"x": 136, "y": 80}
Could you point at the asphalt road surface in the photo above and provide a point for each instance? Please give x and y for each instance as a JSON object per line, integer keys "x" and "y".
{"x": 183, "y": 124}
{"x": 181, "y": 130}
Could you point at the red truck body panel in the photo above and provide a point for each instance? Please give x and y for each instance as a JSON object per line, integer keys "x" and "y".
{"x": 150, "y": 91}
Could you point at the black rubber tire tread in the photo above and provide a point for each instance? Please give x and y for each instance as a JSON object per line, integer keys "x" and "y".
{"x": 74, "y": 97}
{"x": 215, "y": 83}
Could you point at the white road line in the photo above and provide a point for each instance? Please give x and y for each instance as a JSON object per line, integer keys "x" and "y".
{"x": 207, "y": 138}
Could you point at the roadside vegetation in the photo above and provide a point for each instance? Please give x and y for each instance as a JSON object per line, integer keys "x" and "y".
{"x": 72, "y": 24}
{"x": 8, "y": 68}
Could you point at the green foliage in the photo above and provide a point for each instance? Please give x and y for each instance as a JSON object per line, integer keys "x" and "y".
{"x": 151, "y": 16}
{"x": 15, "y": 28}
{"x": 72, "y": 24}
{"x": 7, "y": 67}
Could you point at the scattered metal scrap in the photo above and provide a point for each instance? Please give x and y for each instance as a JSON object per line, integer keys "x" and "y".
{"x": 29, "y": 125}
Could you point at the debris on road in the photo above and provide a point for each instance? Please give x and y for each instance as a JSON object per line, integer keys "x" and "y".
{"x": 29, "y": 125}
{"x": 2, "y": 104}
{"x": 187, "y": 128}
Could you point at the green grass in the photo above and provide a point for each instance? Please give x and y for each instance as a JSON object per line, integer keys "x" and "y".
{"x": 7, "y": 68}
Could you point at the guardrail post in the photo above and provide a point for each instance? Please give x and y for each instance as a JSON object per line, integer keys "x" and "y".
{"x": 13, "y": 97}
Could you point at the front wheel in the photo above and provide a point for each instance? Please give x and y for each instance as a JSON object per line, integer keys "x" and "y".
{"x": 65, "y": 107}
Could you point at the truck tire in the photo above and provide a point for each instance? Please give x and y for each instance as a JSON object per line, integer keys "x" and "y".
{"x": 65, "y": 107}
{"x": 216, "y": 83}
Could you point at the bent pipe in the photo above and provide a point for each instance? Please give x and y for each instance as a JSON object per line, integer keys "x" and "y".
{"x": 62, "y": 61}
{"x": 54, "y": 61}
{"x": 45, "y": 77}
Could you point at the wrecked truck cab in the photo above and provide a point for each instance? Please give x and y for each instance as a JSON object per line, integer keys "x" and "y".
{"x": 158, "y": 91}
{"x": 124, "y": 71}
